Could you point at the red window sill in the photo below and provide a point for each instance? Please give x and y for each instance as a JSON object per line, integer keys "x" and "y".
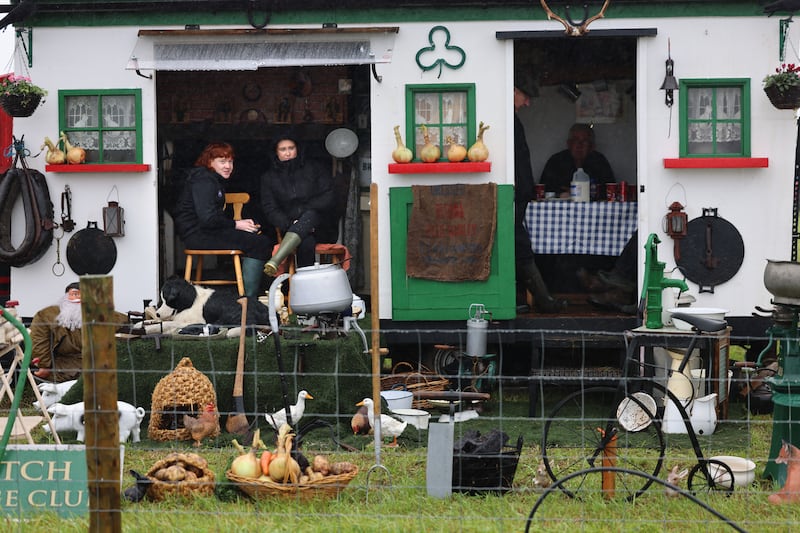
{"x": 126, "y": 167}
{"x": 439, "y": 168}
{"x": 717, "y": 162}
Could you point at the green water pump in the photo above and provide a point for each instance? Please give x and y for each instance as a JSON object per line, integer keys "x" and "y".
{"x": 655, "y": 283}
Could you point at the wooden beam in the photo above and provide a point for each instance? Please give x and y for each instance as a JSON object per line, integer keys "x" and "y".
{"x": 101, "y": 418}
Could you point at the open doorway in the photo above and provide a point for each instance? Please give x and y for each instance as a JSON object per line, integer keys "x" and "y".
{"x": 249, "y": 109}
{"x": 590, "y": 81}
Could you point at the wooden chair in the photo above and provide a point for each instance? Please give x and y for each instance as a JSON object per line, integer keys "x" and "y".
{"x": 237, "y": 200}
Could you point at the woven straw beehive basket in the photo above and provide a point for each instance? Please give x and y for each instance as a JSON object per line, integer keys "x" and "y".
{"x": 180, "y": 474}
{"x": 185, "y": 390}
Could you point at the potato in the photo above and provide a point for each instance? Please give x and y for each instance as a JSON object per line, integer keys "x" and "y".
{"x": 342, "y": 468}
{"x": 320, "y": 464}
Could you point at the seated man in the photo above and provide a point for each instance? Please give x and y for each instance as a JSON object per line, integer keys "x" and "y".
{"x": 56, "y": 343}
{"x": 580, "y": 153}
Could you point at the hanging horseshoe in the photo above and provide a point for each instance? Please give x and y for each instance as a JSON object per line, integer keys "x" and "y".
{"x": 67, "y": 224}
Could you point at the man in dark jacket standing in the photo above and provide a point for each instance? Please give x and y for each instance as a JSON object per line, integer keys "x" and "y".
{"x": 528, "y": 275}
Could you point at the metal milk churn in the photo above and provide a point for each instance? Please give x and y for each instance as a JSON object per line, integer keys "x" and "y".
{"x": 477, "y": 328}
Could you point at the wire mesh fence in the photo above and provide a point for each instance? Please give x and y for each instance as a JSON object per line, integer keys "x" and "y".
{"x": 557, "y": 430}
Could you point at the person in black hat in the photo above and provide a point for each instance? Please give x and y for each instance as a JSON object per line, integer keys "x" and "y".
{"x": 56, "y": 345}
{"x": 528, "y": 275}
{"x": 297, "y": 197}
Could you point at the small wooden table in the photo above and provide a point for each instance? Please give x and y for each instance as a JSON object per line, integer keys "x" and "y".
{"x": 713, "y": 348}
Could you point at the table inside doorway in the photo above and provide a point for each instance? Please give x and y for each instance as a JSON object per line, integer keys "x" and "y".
{"x": 586, "y": 228}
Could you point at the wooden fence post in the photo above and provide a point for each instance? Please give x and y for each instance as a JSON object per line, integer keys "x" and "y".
{"x": 100, "y": 402}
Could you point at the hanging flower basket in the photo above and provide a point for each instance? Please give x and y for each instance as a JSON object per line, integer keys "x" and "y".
{"x": 787, "y": 99}
{"x": 19, "y": 106}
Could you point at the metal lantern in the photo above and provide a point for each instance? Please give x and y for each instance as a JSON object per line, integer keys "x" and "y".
{"x": 676, "y": 222}
{"x": 114, "y": 220}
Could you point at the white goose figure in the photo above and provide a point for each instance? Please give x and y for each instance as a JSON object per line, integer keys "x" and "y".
{"x": 390, "y": 426}
{"x": 278, "y": 418}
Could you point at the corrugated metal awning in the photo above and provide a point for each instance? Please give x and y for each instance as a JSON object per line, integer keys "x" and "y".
{"x": 252, "y": 49}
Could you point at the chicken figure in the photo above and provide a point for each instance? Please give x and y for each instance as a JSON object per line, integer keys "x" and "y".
{"x": 390, "y": 427}
{"x": 203, "y": 425}
{"x": 278, "y": 418}
{"x": 360, "y": 422}
{"x": 674, "y": 477}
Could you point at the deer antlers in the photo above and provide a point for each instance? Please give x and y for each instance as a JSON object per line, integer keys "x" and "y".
{"x": 571, "y": 27}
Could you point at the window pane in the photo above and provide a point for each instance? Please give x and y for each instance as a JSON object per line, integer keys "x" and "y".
{"x": 700, "y": 141}
{"x": 700, "y": 103}
{"x": 426, "y": 107}
{"x": 119, "y": 111}
{"x": 729, "y": 138}
{"x": 119, "y": 146}
{"x": 454, "y": 107}
{"x": 89, "y": 141}
{"x": 458, "y": 133}
{"x": 729, "y": 103}
{"x": 81, "y": 111}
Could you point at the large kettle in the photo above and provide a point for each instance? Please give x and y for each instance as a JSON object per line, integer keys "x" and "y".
{"x": 315, "y": 290}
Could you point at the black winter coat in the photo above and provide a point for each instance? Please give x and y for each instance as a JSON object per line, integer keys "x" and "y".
{"x": 293, "y": 188}
{"x": 200, "y": 204}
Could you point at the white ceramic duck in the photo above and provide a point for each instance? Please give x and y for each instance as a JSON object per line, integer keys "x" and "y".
{"x": 278, "y": 418}
{"x": 390, "y": 426}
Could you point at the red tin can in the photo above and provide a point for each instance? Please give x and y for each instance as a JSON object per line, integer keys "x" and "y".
{"x": 622, "y": 192}
{"x": 539, "y": 187}
{"x": 611, "y": 192}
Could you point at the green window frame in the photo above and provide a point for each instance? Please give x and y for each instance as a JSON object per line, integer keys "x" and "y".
{"x": 445, "y": 109}
{"x": 715, "y": 117}
{"x": 106, "y": 123}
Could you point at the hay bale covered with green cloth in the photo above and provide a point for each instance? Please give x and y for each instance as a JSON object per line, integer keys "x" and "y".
{"x": 336, "y": 372}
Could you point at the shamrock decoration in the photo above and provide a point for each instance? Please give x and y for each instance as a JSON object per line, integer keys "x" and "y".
{"x": 447, "y": 55}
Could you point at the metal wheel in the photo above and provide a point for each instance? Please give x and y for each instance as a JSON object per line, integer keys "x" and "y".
{"x": 583, "y": 432}
{"x": 710, "y": 475}
{"x": 446, "y": 361}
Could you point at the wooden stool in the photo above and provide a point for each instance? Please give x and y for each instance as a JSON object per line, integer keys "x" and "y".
{"x": 237, "y": 200}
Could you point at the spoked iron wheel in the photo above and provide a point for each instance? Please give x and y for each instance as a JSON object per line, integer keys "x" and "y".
{"x": 446, "y": 361}
{"x": 583, "y": 431}
{"x": 710, "y": 475}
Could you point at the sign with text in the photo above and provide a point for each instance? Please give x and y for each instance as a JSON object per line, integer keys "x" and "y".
{"x": 37, "y": 478}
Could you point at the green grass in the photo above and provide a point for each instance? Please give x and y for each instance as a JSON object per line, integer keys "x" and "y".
{"x": 375, "y": 501}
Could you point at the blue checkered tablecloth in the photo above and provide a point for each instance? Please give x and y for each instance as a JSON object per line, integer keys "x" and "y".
{"x": 594, "y": 228}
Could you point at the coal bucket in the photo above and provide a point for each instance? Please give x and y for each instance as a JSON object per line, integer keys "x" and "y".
{"x": 482, "y": 473}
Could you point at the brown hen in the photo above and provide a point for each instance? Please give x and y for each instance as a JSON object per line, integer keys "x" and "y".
{"x": 203, "y": 425}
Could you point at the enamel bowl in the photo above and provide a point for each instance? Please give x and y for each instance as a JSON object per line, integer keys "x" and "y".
{"x": 743, "y": 470}
{"x": 416, "y": 417}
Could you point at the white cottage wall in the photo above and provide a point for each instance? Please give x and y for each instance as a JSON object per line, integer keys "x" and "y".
{"x": 757, "y": 201}
{"x": 55, "y": 67}
{"x": 487, "y": 61}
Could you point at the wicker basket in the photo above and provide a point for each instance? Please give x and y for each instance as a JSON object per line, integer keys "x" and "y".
{"x": 789, "y": 99}
{"x": 327, "y": 487}
{"x": 185, "y": 390}
{"x": 405, "y": 377}
{"x": 19, "y": 106}
{"x": 199, "y": 480}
